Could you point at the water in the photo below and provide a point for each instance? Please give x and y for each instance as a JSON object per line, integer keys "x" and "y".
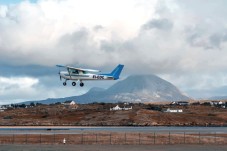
{"x": 78, "y": 130}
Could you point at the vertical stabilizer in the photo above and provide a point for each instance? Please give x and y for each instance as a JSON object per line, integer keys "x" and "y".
{"x": 117, "y": 71}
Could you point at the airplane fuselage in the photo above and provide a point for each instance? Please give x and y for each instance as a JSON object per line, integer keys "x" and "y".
{"x": 78, "y": 74}
{"x": 82, "y": 77}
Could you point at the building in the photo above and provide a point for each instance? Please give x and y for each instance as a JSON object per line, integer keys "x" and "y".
{"x": 174, "y": 111}
{"x": 117, "y": 108}
{"x": 179, "y": 103}
{"x": 129, "y": 108}
{"x": 182, "y": 103}
{"x": 71, "y": 104}
{"x": 218, "y": 104}
{"x": 215, "y": 103}
{"x": 2, "y": 108}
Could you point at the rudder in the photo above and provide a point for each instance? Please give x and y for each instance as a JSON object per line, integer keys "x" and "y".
{"x": 117, "y": 71}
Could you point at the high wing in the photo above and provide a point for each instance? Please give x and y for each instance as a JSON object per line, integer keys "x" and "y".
{"x": 79, "y": 69}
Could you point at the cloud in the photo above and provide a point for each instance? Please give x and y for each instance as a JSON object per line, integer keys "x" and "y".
{"x": 16, "y": 89}
{"x": 169, "y": 38}
{"x": 34, "y": 31}
{"x": 23, "y": 82}
{"x": 27, "y": 71}
{"x": 162, "y": 24}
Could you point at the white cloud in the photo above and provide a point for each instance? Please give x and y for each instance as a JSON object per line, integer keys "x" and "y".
{"x": 34, "y": 30}
{"x": 18, "y": 89}
{"x": 22, "y": 82}
{"x": 186, "y": 39}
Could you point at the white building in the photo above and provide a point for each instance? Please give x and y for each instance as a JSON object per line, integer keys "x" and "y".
{"x": 174, "y": 111}
{"x": 2, "y": 108}
{"x": 117, "y": 108}
{"x": 127, "y": 108}
{"x": 69, "y": 103}
{"x": 72, "y": 103}
{"x": 216, "y": 103}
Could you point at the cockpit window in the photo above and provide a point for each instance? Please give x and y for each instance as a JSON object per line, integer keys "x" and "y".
{"x": 75, "y": 71}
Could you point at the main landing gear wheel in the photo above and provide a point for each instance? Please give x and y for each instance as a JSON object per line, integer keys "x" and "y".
{"x": 64, "y": 83}
{"x": 73, "y": 83}
{"x": 81, "y": 84}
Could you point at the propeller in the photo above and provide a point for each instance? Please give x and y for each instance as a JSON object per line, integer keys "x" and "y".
{"x": 59, "y": 75}
{"x": 59, "y": 72}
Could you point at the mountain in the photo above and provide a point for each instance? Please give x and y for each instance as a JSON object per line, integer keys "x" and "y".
{"x": 220, "y": 93}
{"x": 218, "y": 98}
{"x": 216, "y": 93}
{"x": 136, "y": 88}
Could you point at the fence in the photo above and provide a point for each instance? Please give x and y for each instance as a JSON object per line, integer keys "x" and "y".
{"x": 117, "y": 138}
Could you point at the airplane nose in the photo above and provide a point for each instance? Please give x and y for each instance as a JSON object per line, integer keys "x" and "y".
{"x": 61, "y": 73}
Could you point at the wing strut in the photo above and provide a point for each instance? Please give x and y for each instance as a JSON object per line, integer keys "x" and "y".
{"x": 69, "y": 72}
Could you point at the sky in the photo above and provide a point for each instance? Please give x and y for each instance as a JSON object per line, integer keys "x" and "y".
{"x": 183, "y": 42}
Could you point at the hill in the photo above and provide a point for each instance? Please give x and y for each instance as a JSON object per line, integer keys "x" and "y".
{"x": 136, "y": 88}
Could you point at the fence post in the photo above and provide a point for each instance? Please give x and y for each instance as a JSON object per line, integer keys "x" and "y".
{"x": 125, "y": 138}
{"x": 184, "y": 138}
{"x": 154, "y": 137}
{"x": 169, "y": 137}
{"x": 199, "y": 137}
{"x": 139, "y": 138}
{"x": 54, "y": 138}
{"x": 26, "y": 138}
{"x": 96, "y": 138}
{"x": 13, "y": 139}
{"x": 215, "y": 141}
{"x": 82, "y": 139}
{"x": 40, "y": 140}
{"x": 110, "y": 138}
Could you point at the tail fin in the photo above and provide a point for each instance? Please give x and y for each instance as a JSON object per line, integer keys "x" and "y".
{"x": 117, "y": 71}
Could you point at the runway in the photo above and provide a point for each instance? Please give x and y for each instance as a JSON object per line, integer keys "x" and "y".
{"x": 79, "y": 130}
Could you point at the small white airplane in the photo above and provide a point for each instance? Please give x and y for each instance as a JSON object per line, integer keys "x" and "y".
{"x": 80, "y": 75}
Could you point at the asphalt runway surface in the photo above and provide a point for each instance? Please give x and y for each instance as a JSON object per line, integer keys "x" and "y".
{"x": 79, "y": 130}
{"x": 113, "y": 147}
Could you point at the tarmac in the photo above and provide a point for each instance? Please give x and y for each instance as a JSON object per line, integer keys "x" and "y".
{"x": 66, "y": 147}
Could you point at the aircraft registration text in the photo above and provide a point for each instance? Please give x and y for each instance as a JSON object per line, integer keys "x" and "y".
{"x": 98, "y": 77}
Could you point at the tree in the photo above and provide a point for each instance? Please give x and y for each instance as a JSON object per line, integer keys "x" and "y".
{"x": 32, "y": 104}
{"x": 22, "y": 105}
{"x": 37, "y": 104}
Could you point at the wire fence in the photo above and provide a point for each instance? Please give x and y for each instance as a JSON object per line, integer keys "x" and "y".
{"x": 117, "y": 138}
